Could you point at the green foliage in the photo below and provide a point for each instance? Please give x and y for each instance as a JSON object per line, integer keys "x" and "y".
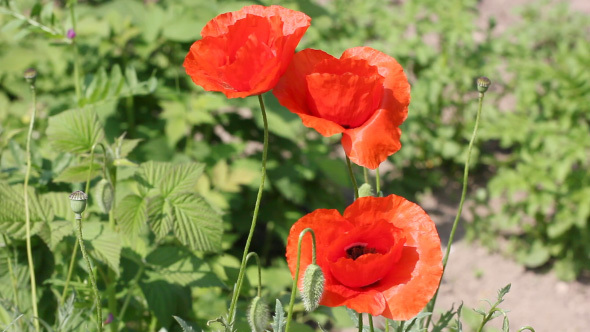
{"x": 540, "y": 148}
{"x": 184, "y": 164}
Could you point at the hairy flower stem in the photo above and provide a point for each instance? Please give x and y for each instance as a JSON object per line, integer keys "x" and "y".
{"x": 259, "y": 271}
{"x": 352, "y": 178}
{"x": 296, "y": 279}
{"x": 236, "y": 294}
{"x": 90, "y": 273}
{"x": 75, "y": 249}
{"x": 371, "y": 328}
{"x": 27, "y": 213}
{"x": 430, "y": 306}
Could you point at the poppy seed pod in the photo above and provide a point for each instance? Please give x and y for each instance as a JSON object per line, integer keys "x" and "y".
{"x": 78, "y": 201}
{"x": 313, "y": 287}
{"x": 30, "y": 75}
{"x": 258, "y": 316}
{"x": 483, "y": 83}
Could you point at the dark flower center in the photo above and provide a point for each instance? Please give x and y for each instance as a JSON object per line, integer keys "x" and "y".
{"x": 359, "y": 250}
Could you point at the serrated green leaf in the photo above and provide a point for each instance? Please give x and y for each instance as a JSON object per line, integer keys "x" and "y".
{"x": 196, "y": 224}
{"x": 126, "y": 146}
{"x": 79, "y": 173}
{"x": 184, "y": 325}
{"x": 278, "y": 319}
{"x": 151, "y": 173}
{"x": 74, "y": 131}
{"x": 54, "y": 232}
{"x": 182, "y": 178}
{"x": 131, "y": 215}
{"x": 12, "y": 211}
{"x": 60, "y": 204}
{"x": 503, "y": 291}
{"x": 159, "y": 216}
{"x": 104, "y": 243}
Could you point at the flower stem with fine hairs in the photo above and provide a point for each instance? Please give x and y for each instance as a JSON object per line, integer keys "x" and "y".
{"x": 75, "y": 249}
{"x": 430, "y": 306}
{"x": 352, "y": 178}
{"x": 26, "y": 199}
{"x": 236, "y": 294}
{"x": 296, "y": 278}
{"x": 259, "y": 271}
{"x": 90, "y": 273}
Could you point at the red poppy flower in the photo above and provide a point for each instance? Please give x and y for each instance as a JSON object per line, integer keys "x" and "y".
{"x": 364, "y": 95}
{"x": 382, "y": 257}
{"x": 244, "y": 53}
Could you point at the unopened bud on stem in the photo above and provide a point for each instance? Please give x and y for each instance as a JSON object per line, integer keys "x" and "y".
{"x": 313, "y": 287}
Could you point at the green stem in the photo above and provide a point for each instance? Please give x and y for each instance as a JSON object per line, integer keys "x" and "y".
{"x": 70, "y": 270}
{"x": 112, "y": 296}
{"x": 27, "y": 213}
{"x": 76, "y": 56}
{"x": 530, "y": 328}
{"x": 366, "y": 174}
{"x": 430, "y": 306}
{"x": 296, "y": 278}
{"x": 32, "y": 22}
{"x": 352, "y": 178}
{"x": 371, "y": 328}
{"x": 75, "y": 249}
{"x": 377, "y": 182}
{"x": 129, "y": 289}
{"x": 401, "y": 326}
{"x": 259, "y": 270}
{"x": 90, "y": 273}
{"x": 236, "y": 294}
{"x": 360, "y": 322}
{"x": 386, "y": 325}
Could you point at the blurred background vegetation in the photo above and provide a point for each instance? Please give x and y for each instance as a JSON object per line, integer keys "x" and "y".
{"x": 530, "y": 185}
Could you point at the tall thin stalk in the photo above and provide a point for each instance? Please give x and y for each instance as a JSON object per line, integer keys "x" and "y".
{"x": 236, "y": 294}
{"x": 30, "y": 76}
{"x": 352, "y": 178}
{"x": 483, "y": 84}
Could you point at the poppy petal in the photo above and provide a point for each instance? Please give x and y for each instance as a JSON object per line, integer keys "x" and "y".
{"x": 370, "y": 144}
{"x": 415, "y": 277}
{"x": 396, "y": 94}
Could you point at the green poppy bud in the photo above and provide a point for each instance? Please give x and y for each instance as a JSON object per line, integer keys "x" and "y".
{"x": 365, "y": 190}
{"x": 313, "y": 287}
{"x": 104, "y": 195}
{"x": 78, "y": 201}
{"x": 258, "y": 315}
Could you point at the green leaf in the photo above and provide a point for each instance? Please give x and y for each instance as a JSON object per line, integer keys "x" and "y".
{"x": 182, "y": 178}
{"x": 74, "y": 131}
{"x": 54, "y": 232}
{"x": 184, "y": 324}
{"x": 12, "y": 211}
{"x": 278, "y": 319}
{"x": 165, "y": 299}
{"x": 159, "y": 216}
{"x": 104, "y": 243}
{"x": 178, "y": 265}
{"x": 131, "y": 215}
{"x": 60, "y": 204}
{"x": 196, "y": 224}
{"x": 169, "y": 179}
{"x": 79, "y": 173}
